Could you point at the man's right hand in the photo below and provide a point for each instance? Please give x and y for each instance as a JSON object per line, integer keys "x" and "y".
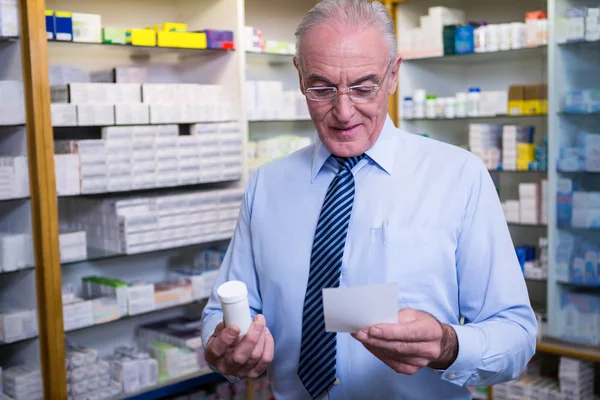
{"x": 246, "y": 357}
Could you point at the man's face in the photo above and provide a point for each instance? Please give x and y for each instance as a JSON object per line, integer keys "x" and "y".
{"x": 341, "y": 58}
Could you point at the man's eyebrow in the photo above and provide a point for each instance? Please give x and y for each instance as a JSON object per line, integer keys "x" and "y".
{"x": 370, "y": 77}
{"x": 319, "y": 78}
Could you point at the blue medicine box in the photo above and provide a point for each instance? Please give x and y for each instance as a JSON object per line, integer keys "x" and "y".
{"x": 50, "y": 25}
{"x": 63, "y": 22}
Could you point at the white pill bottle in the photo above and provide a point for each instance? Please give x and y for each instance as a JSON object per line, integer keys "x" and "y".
{"x": 234, "y": 301}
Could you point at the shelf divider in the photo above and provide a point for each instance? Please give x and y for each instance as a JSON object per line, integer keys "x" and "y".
{"x": 44, "y": 207}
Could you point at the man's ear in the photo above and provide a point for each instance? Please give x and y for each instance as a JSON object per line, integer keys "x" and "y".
{"x": 394, "y": 76}
{"x": 297, "y": 65}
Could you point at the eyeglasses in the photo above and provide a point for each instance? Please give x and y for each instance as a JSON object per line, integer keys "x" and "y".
{"x": 357, "y": 93}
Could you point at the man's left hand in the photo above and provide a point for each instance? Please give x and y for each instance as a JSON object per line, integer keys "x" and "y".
{"x": 418, "y": 340}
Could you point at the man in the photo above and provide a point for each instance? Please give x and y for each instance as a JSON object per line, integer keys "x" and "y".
{"x": 369, "y": 204}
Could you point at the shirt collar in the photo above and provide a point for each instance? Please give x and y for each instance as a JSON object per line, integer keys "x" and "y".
{"x": 382, "y": 152}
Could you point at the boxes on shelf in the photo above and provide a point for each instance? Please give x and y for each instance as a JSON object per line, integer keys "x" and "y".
{"x": 95, "y": 114}
{"x": 63, "y": 114}
{"x": 582, "y": 101}
{"x": 132, "y": 114}
{"x": 485, "y": 142}
{"x": 16, "y": 251}
{"x": 14, "y": 177}
{"x": 63, "y": 74}
{"x": 87, "y": 28}
{"x": 67, "y": 174}
{"x": 114, "y": 35}
{"x": 253, "y": 39}
{"x": 185, "y": 40}
{"x": 180, "y": 332}
{"x": 23, "y": 383}
{"x": 266, "y": 100}
{"x": 578, "y": 318}
{"x": 140, "y": 37}
{"x": 9, "y": 20}
{"x": 17, "y": 324}
{"x": 63, "y": 25}
{"x": 50, "y": 25}
{"x": 576, "y": 378}
{"x": 122, "y": 75}
{"x": 12, "y": 103}
{"x": 77, "y": 313}
{"x": 219, "y": 39}
{"x": 73, "y": 246}
{"x": 132, "y": 369}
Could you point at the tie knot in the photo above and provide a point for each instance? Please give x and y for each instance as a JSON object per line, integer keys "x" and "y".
{"x": 348, "y": 162}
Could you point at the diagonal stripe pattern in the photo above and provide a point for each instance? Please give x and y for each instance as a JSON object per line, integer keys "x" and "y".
{"x": 316, "y": 367}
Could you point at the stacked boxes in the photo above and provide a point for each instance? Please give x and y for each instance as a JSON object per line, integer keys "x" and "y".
{"x": 427, "y": 39}
{"x": 14, "y": 177}
{"x": 589, "y": 150}
{"x": 586, "y": 210}
{"x": 528, "y": 386}
{"x": 147, "y": 157}
{"x": 129, "y": 103}
{"x": 578, "y": 318}
{"x": 16, "y": 251}
{"x": 87, "y": 28}
{"x": 202, "y": 275}
{"x": 173, "y": 362}
{"x": 577, "y": 260}
{"x": 518, "y": 150}
{"x": 73, "y": 246}
{"x": 12, "y": 103}
{"x": 531, "y": 208}
{"x": 142, "y": 224}
{"x": 485, "y": 142}
{"x": 67, "y": 174}
{"x": 132, "y": 369}
{"x": 253, "y": 39}
{"x": 576, "y": 378}
{"x": 581, "y": 24}
{"x": 266, "y": 100}
{"x": 219, "y": 39}
{"x": 9, "y": 18}
{"x": 592, "y": 24}
{"x": 23, "y": 383}
{"x": 17, "y": 325}
{"x": 87, "y": 375}
{"x": 529, "y": 202}
{"x": 263, "y": 151}
{"x": 77, "y": 313}
{"x": 582, "y": 101}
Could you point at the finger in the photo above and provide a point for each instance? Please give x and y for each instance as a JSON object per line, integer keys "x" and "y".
{"x": 421, "y": 330}
{"x": 397, "y": 348}
{"x": 267, "y": 356}
{"x": 408, "y": 366}
{"x": 258, "y": 350}
{"x": 217, "y": 346}
{"x": 243, "y": 350}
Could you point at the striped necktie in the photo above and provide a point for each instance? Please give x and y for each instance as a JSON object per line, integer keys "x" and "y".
{"x": 316, "y": 368}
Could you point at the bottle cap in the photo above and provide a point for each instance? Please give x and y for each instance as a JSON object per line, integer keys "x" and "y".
{"x": 232, "y": 292}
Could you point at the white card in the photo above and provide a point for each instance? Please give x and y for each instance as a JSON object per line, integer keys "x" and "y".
{"x": 354, "y": 308}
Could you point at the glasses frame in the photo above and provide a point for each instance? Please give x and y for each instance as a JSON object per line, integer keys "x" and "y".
{"x": 376, "y": 87}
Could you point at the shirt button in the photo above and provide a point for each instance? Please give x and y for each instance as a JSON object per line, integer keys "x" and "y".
{"x": 452, "y": 377}
{"x": 337, "y": 382}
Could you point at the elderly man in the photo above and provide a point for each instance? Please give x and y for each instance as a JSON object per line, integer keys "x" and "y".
{"x": 371, "y": 204}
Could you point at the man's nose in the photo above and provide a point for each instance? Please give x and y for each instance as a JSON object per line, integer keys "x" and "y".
{"x": 343, "y": 107}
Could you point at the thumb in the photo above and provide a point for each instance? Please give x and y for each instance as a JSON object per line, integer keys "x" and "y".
{"x": 407, "y": 315}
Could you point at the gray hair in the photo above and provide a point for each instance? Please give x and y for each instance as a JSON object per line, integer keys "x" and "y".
{"x": 354, "y": 13}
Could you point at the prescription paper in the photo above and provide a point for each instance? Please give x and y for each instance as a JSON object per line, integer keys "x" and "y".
{"x": 350, "y": 309}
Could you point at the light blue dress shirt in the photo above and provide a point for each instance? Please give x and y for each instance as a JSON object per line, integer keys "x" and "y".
{"x": 427, "y": 216}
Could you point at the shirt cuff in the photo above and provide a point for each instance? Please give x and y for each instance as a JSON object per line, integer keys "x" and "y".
{"x": 469, "y": 355}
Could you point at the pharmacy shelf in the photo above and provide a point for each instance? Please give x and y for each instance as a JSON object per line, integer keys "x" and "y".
{"x": 74, "y": 127}
{"x": 269, "y": 58}
{"x": 579, "y": 44}
{"x": 175, "y": 386}
{"x": 19, "y": 341}
{"x": 130, "y": 317}
{"x": 541, "y": 226}
{"x": 575, "y": 114}
{"x": 5, "y": 39}
{"x": 578, "y": 172}
{"x": 101, "y": 255}
{"x": 157, "y": 189}
{"x": 503, "y": 171}
{"x": 578, "y": 285}
{"x": 562, "y": 348}
{"x": 475, "y": 118}
{"x": 141, "y": 50}
{"x": 539, "y": 51}
{"x": 540, "y": 280}
{"x": 279, "y": 120}
{"x": 17, "y": 272}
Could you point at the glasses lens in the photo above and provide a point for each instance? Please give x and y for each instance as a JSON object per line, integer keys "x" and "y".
{"x": 363, "y": 92}
{"x": 321, "y": 94}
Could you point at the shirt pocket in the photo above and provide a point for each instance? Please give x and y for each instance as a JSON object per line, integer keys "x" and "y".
{"x": 420, "y": 260}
